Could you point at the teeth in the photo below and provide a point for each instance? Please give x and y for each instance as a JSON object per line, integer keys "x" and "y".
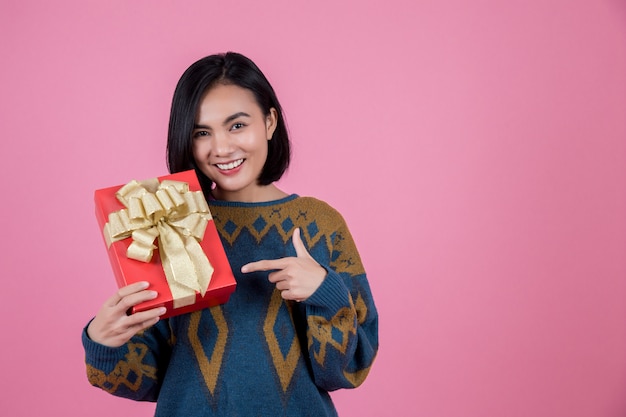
{"x": 230, "y": 165}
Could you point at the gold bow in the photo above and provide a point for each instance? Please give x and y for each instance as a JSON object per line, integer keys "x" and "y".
{"x": 178, "y": 218}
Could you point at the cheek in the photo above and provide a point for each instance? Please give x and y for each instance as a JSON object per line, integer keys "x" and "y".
{"x": 257, "y": 143}
{"x": 200, "y": 158}
{"x": 198, "y": 151}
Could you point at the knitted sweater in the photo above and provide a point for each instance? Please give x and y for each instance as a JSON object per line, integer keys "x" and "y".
{"x": 256, "y": 355}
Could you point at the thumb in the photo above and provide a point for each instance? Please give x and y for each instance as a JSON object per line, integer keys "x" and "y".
{"x": 299, "y": 245}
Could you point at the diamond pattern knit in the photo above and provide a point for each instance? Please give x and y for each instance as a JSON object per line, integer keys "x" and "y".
{"x": 256, "y": 355}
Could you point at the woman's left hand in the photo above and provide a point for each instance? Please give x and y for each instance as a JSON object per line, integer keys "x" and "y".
{"x": 297, "y": 277}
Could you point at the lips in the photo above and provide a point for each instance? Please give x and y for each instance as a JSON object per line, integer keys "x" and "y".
{"x": 230, "y": 165}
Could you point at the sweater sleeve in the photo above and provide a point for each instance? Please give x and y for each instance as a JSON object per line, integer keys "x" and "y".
{"x": 342, "y": 321}
{"x": 134, "y": 370}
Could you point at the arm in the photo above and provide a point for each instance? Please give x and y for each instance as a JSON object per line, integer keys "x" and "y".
{"x": 342, "y": 319}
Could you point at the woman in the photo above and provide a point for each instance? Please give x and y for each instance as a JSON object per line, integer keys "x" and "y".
{"x": 302, "y": 320}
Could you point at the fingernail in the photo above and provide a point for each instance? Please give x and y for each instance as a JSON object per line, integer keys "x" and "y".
{"x": 244, "y": 269}
{"x": 162, "y": 311}
{"x": 153, "y": 294}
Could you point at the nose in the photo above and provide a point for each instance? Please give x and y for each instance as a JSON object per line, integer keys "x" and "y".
{"x": 222, "y": 145}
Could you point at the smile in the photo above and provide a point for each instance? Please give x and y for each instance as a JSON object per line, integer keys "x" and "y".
{"x": 230, "y": 165}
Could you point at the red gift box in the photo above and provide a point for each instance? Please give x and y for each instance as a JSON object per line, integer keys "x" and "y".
{"x": 128, "y": 271}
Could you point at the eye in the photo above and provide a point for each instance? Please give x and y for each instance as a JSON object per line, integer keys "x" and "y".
{"x": 199, "y": 133}
{"x": 237, "y": 126}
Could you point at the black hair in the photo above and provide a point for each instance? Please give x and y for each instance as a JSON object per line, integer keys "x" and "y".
{"x": 229, "y": 68}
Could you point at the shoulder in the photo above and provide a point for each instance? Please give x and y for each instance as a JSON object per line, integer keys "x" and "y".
{"x": 318, "y": 210}
{"x": 316, "y": 205}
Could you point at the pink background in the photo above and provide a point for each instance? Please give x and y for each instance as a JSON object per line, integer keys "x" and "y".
{"x": 477, "y": 150}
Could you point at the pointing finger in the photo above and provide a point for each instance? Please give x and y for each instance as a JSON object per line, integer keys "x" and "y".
{"x": 265, "y": 265}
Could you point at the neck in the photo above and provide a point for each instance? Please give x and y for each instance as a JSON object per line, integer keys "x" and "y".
{"x": 257, "y": 195}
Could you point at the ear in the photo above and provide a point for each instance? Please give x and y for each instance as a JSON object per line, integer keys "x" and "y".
{"x": 271, "y": 121}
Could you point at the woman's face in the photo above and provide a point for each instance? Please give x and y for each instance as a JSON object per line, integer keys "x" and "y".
{"x": 230, "y": 140}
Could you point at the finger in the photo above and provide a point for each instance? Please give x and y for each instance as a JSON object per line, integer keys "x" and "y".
{"x": 114, "y": 328}
{"x": 282, "y": 285}
{"x": 128, "y": 334}
{"x": 264, "y": 265}
{"x": 133, "y": 299}
{"x": 145, "y": 324}
{"x": 135, "y": 324}
{"x": 127, "y": 290}
{"x": 277, "y": 276}
{"x": 298, "y": 245}
{"x": 290, "y": 295}
{"x": 140, "y": 319}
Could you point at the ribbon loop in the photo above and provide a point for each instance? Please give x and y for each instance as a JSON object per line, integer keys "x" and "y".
{"x": 178, "y": 218}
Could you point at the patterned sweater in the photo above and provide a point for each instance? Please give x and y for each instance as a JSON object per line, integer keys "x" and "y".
{"x": 256, "y": 355}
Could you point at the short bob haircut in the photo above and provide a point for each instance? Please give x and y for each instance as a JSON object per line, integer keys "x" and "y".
{"x": 229, "y": 69}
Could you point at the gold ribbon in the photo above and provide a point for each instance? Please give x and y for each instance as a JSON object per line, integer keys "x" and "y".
{"x": 178, "y": 218}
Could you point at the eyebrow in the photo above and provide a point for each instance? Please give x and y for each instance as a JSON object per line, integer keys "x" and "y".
{"x": 228, "y": 120}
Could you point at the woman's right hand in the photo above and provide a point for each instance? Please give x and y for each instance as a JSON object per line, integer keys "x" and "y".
{"x": 113, "y": 327}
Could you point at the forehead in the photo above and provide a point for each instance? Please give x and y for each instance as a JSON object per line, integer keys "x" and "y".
{"x": 222, "y": 101}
